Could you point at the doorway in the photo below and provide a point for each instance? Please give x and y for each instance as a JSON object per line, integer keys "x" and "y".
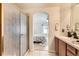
{"x": 40, "y": 31}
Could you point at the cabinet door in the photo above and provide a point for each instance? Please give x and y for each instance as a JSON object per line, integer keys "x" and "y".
{"x": 62, "y": 48}
{"x": 71, "y": 51}
{"x": 77, "y": 52}
{"x": 57, "y": 46}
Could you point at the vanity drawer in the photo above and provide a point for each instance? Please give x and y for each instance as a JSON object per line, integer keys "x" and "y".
{"x": 77, "y": 52}
{"x": 71, "y": 49}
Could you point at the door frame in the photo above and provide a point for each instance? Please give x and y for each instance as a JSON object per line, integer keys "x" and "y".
{"x": 27, "y": 24}
{"x": 1, "y": 30}
{"x": 32, "y": 29}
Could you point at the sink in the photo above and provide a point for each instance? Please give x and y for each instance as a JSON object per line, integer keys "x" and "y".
{"x": 75, "y": 41}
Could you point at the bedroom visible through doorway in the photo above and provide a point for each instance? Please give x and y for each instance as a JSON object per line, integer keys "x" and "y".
{"x": 40, "y": 31}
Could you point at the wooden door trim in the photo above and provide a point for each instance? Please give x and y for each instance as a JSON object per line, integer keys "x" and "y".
{"x": 0, "y": 29}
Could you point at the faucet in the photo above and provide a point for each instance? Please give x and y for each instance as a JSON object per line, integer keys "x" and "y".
{"x": 75, "y": 35}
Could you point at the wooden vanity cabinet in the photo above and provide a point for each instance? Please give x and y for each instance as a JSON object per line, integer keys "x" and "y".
{"x": 62, "y": 48}
{"x": 77, "y": 52}
{"x": 71, "y": 51}
{"x": 56, "y": 46}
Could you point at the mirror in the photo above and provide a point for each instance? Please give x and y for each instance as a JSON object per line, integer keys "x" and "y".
{"x": 76, "y": 26}
{"x": 75, "y": 19}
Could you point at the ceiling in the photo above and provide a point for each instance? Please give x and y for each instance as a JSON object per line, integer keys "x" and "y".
{"x": 28, "y": 7}
{"x": 40, "y": 5}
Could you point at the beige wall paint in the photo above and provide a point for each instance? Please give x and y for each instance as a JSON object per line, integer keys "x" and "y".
{"x": 54, "y": 17}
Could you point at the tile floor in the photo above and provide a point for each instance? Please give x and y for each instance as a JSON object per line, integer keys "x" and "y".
{"x": 40, "y": 50}
{"x": 40, "y": 46}
{"x": 40, "y": 53}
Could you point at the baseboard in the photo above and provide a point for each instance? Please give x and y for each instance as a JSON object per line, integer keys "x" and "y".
{"x": 51, "y": 51}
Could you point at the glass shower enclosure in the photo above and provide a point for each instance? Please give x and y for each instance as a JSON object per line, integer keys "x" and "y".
{"x": 16, "y": 41}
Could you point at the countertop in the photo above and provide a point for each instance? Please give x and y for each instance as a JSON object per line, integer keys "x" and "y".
{"x": 69, "y": 41}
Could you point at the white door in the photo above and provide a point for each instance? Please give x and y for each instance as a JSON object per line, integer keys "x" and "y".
{"x": 23, "y": 35}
